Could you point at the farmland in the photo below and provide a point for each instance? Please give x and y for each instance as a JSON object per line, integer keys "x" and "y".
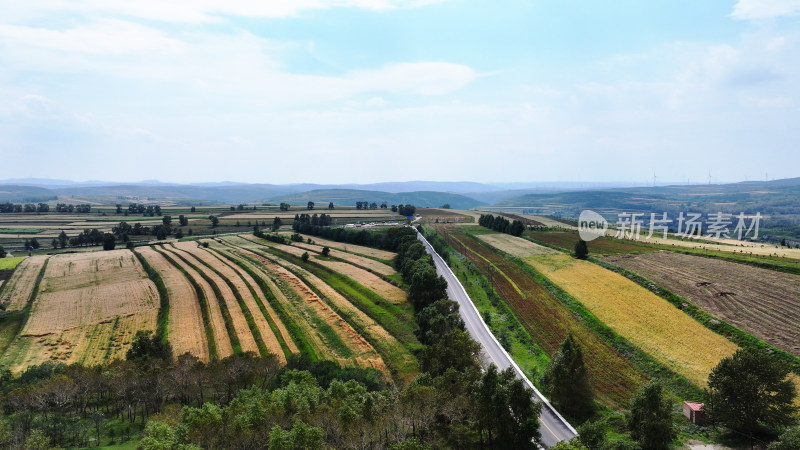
{"x": 84, "y": 308}
{"x": 547, "y": 320}
{"x": 762, "y": 302}
{"x": 646, "y": 320}
{"x": 230, "y": 295}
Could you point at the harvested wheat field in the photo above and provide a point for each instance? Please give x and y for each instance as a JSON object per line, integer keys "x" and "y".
{"x": 237, "y": 320}
{"x": 515, "y": 246}
{"x": 245, "y": 292}
{"x": 352, "y": 248}
{"x": 646, "y": 320}
{"x": 221, "y": 341}
{"x": 185, "y": 329}
{"x": 88, "y": 308}
{"x": 18, "y": 289}
{"x": 371, "y": 281}
{"x": 762, "y": 302}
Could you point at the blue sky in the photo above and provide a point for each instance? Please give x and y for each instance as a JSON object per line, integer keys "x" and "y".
{"x": 389, "y": 90}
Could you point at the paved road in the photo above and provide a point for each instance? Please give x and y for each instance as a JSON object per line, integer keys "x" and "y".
{"x": 554, "y": 427}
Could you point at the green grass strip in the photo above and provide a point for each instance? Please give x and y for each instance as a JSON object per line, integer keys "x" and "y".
{"x": 162, "y": 330}
{"x": 322, "y": 326}
{"x": 114, "y": 328}
{"x": 201, "y": 298}
{"x": 272, "y": 326}
{"x": 226, "y": 316}
{"x": 295, "y": 332}
{"x": 248, "y": 316}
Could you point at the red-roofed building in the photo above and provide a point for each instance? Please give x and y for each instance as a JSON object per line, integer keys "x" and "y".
{"x": 694, "y": 412}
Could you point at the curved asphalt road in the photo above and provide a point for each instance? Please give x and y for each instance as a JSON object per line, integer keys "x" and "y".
{"x": 554, "y": 427}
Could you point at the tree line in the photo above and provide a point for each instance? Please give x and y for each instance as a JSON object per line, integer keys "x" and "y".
{"x": 501, "y": 224}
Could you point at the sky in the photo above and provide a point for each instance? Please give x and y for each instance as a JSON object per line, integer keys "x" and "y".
{"x": 363, "y": 91}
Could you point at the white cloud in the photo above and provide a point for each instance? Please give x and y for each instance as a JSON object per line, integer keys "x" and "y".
{"x": 765, "y": 9}
{"x": 103, "y": 37}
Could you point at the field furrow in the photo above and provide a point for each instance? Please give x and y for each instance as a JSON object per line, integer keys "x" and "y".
{"x": 222, "y": 342}
{"x": 185, "y": 327}
{"x": 20, "y": 286}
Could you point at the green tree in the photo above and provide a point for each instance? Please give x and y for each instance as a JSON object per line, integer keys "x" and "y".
{"x": 147, "y": 345}
{"x": 34, "y": 244}
{"x": 166, "y": 220}
{"x": 304, "y": 257}
{"x": 581, "y": 249}
{"x": 650, "y": 419}
{"x": 109, "y": 241}
{"x": 310, "y": 205}
{"x": 301, "y": 437}
{"x": 3, "y": 252}
{"x": 326, "y": 251}
{"x": 214, "y": 220}
{"x": 789, "y": 440}
{"x": 456, "y": 350}
{"x": 62, "y": 239}
{"x": 276, "y": 223}
{"x": 330, "y": 205}
{"x": 751, "y": 388}
{"x": 506, "y": 410}
{"x": 567, "y": 381}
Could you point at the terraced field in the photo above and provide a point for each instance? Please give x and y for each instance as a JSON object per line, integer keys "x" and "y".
{"x": 212, "y": 299}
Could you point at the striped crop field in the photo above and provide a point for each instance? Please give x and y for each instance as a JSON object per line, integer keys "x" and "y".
{"x": 646, "y": 320}
{"x": 211, "y": 298}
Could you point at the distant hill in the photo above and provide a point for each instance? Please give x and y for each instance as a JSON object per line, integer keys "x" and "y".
{"x": 351, "y": 196}
{"x": 25, "y": 194}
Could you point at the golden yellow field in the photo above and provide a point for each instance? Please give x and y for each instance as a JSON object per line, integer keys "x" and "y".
{"x": 20, "y": 286}
{"x": 646, "y": 320}
{"x": 515, "y": 246}
{"x": 185, "y": 326}
{"x": 88, "y": 309}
